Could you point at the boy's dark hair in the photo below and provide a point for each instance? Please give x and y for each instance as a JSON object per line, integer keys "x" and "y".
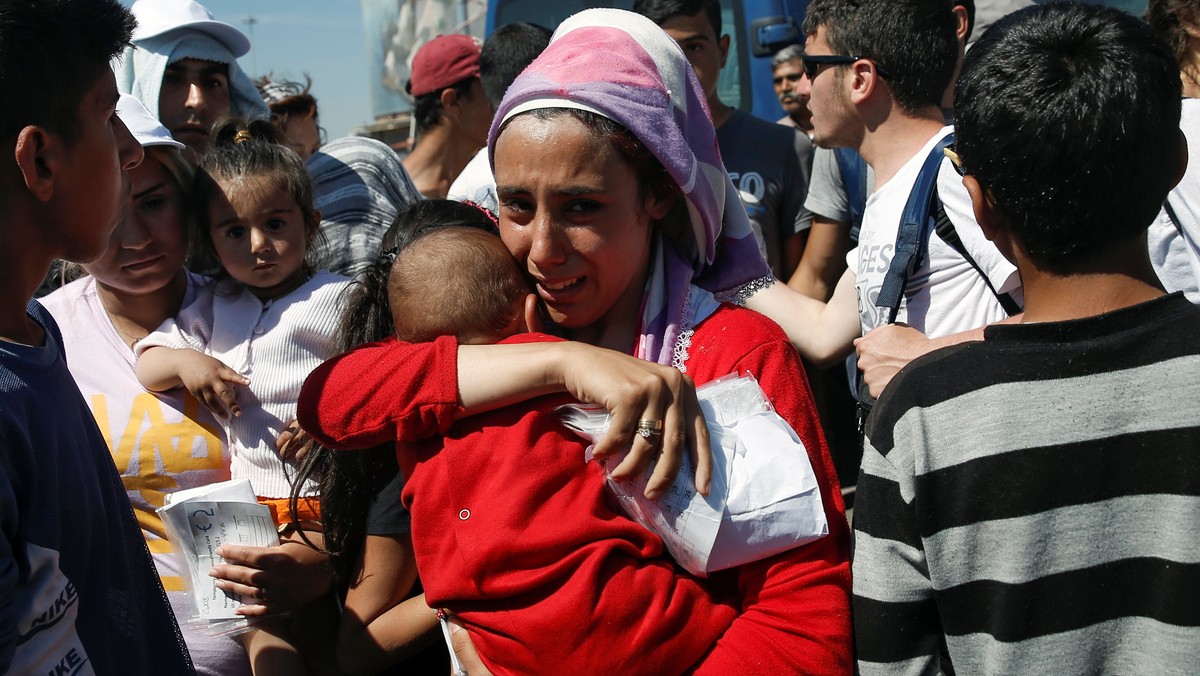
{"x": 1068, "y": 115}
{"x": 51, "y": 52}
{"x": 659, "y": 11}
{"x": 913, "y": 40}
{"x": 455, "y": 282}
{"x": 506, "y": 52}
{"x": 427, "y": 109}
{"x": 238, "y": 149}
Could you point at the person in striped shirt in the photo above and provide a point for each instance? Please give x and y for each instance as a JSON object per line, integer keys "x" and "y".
{"x": 1029, "y": 503}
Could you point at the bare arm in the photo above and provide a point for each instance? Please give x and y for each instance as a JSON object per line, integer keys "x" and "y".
{"x": 379, "y": 626}
{"x": 490, "y": 376}
{"x": 163, "y": 368}
{"x": 823, "y": 333}
{"x": 824, "y": 259}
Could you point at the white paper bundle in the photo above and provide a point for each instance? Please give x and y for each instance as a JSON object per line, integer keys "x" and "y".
{"x": 764, "y": 497}
{"x": 201, "y": 519}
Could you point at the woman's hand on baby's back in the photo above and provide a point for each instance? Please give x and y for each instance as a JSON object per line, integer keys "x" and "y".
{"x": 634, "y": 391}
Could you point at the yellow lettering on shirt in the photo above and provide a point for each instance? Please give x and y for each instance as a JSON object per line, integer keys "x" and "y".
{"x": 172, "y": 583}
{"x": 151, "y": 451}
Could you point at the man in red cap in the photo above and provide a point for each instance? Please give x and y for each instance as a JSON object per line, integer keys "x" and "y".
{"x": 451, "y": 112}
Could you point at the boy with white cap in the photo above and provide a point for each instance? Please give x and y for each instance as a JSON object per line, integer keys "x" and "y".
{"x": 183, "y": 67}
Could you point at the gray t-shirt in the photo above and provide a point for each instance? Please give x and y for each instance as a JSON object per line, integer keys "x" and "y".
{"x": 988, "y": 12}
{"x": 827, "y": 192}
{"x": 769, "y": 165}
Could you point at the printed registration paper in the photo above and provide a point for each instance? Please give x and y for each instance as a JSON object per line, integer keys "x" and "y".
{"x": 200, "y": 520}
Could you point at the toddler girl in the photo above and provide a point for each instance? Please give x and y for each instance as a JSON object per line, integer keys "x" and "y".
{"x": 245, "y": 349}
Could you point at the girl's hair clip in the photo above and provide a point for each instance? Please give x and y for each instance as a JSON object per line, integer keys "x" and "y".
{"x": 486, "y": 212}
{"x": 242, "y": 136}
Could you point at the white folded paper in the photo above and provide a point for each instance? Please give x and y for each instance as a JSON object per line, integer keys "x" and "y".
{"x": 763, "y": 497}
{"x": 198, "y": 521}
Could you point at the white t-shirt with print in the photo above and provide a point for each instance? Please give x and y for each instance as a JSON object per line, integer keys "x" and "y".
{"x": 945, "y": 294}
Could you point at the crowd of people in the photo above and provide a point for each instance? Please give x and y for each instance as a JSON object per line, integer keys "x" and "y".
{"x": 1000, "y": 241}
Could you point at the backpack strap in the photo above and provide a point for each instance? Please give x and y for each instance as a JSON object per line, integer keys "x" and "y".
{"x": 853, "y": 169}
{"x": 945, "y": 229}
{"x": 916, "y": 223}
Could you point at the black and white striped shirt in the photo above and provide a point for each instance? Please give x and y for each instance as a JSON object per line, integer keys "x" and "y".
{"x": 1035, "y": 500}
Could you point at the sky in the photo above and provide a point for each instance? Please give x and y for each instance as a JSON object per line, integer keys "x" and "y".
{"x": 323, "y": 38}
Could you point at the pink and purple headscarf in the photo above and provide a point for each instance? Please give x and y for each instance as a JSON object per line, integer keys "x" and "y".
{"x": 621, "y": 65}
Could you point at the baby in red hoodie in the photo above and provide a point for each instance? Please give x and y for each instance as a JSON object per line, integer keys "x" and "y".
{"x": 512, "y": 531}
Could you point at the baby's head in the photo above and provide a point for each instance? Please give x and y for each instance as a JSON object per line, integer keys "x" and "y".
{"x": 457, "y": 281}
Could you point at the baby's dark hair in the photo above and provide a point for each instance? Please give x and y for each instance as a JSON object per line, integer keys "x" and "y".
{"x": 237, "y": 150}
{"x": 458, "y": 282}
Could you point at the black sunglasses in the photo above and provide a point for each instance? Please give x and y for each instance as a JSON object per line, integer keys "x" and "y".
{"x": 812, "y": 64}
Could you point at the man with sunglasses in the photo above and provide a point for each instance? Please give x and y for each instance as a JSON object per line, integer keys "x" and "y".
{"x": 876, "y": 72}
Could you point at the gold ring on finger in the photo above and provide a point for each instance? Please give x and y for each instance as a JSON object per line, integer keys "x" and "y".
{"x": 648, "y": 428}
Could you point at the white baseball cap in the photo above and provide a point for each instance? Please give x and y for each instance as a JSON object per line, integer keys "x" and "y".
{"x": 145, "y": 128}
{"x": 157, "y": 17}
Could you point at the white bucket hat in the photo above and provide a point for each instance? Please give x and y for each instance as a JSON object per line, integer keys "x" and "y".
{"x": 147, "y": 130}
{"x": 158, "y": 17}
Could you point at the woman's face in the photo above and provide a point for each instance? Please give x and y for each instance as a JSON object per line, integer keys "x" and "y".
{"x": 572, "y": 212}
{"x": 303, "y": 135}
{"x": 148, "y": 246}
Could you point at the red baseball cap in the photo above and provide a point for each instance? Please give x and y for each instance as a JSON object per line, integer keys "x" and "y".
{"x": 443, "y": 61}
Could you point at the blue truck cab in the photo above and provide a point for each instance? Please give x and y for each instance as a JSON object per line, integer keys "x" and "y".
{"x": 757, "y": 29}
